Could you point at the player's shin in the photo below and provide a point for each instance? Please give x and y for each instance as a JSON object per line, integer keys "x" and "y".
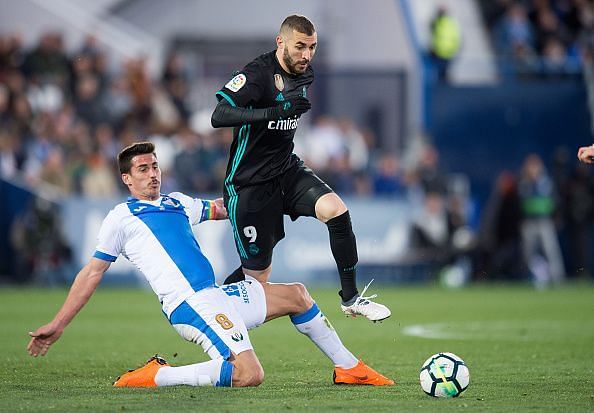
{"x": 210, "y": 373}
{"x": 344, "y": 249}
{"x": 316, "y": 326}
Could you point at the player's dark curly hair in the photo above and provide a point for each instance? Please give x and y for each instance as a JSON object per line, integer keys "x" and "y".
{"x": 129, "y": 152}
{"x": 298, "y": 23}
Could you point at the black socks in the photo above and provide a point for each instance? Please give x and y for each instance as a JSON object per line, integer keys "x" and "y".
{"x": 344, "y": 249}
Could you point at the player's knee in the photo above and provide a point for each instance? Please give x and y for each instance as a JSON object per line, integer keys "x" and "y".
{"x": 247, "y": 372}
{"x": 330, "y": 206}
{"x": 257, "y": 377}
{"x": 251, "y": 376}
{"x": 303, "y": 300}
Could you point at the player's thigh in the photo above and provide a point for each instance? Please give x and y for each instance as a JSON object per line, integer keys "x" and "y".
{"x": 208, "y": 318}
{"x": 258, "y": 303}
{"x": 249, "y": 300}
{"x": 302, "y": 188}
{"x": 256, "y": 214}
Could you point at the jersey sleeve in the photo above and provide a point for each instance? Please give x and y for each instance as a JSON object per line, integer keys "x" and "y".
{"x": 198, "y": 210}
{"x": 244, "y": 88}
{"x": 110, "y": 240}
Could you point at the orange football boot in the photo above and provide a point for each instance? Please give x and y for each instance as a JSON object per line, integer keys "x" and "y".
{"x": 360, "y": 374}
{"x": 143, "y": 376}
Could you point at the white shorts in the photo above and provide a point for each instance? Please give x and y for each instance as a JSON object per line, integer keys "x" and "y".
{"x": 249, "y": 300}
{"x": 210, "y": 319}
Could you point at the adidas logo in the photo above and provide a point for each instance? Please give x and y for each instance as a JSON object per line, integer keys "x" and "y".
{"x": 279, "y": 97}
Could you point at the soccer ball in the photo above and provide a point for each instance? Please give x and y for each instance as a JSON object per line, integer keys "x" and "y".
{"x": 444, "y": 375}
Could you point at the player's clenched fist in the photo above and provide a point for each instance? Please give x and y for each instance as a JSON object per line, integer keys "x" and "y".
{"x": 586, "y": 154}
{"x": 293, "y": 107}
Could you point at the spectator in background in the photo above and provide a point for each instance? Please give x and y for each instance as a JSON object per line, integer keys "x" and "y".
{"x": 355, "y": 145}
{"x": 187, "y": 165}
{"x": 548, "y": 26}
{"x": 9, "y": 155}
{"x": 579, "y": 217}
{"x": 540, "y": 245}
{"x": 429, "y": 173}
{"x": 48, "y": 62}
{"x": 11, "y": 54}
{"x": 98, "y": 181}
{"x": 387, "y": 177}
{"x": 431, "y": 229}
{"x": 4, "y": 106}
{"x": 514, "y": 36}
{"x": 446, "y": 40}
{"x": 499, "y": 250}
{"x": 322, "y": 143}
{"x": 440, "y": 235}
{"x": 175, "y": 81}
{"x": 88, "y": 100}
{"x": 53, "y": 173}
{"x": 40, "y": 247}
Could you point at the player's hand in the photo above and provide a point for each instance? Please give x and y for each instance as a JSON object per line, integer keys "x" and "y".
{"x": 221, "y": 212}
{"x": 586, "y": 154}
{"x": 42, "y": 339}
{"x": 292, "y": 107}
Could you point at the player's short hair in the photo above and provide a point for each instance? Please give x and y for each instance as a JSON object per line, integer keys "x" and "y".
{"x": 298, "y": 23}
{"x": 129, "y": 152}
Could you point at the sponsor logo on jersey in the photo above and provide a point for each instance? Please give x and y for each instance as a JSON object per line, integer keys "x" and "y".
{"x": 284, "y": 124}
{"x": 279, "y": 97}
{"x": 236, "y": 83}
{"x": 233, "y": 290}
{"x": 244, "y": 292}
{"x": 279, "y": 82}
{"x": 140, "y": 208}
{"x": 237, "y": 336}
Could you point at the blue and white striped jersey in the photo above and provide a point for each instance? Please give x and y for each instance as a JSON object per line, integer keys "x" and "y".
{"x": 156, "y": 236}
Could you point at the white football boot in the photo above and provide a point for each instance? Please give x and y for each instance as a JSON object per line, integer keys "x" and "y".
{"x": 367, "y": 308}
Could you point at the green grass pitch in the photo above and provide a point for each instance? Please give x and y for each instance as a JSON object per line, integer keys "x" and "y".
{"x": 526, "y": 350}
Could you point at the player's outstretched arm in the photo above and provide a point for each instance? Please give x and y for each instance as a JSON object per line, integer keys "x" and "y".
{"x": 586, "y": 154}
{"x": 226, "y": 115}
{"x": 81, "y": 291}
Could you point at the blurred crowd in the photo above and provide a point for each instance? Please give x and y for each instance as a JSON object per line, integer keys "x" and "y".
{"x": 550, "y": 38}
{"x": 65, "y": 115}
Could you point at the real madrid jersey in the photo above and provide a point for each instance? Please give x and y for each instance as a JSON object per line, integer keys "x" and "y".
{"x": 263, "y": 150}
{"x": 156, "y": 236}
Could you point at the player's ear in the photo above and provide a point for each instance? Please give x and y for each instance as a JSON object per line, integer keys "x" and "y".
{"x": 280, "y": 42}
{"x": 126, "y": 179}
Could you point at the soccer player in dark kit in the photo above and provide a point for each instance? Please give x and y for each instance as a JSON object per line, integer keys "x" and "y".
{"x": 265, "y": 179}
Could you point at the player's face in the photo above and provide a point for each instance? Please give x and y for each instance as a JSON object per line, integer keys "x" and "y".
{"x": 298, "y": 51}
{"x": 144, "y": 179}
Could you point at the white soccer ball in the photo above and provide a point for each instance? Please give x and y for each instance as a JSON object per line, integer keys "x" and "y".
{"x": 444, "y": 375}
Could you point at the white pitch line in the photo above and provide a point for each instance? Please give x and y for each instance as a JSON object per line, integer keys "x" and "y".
{"x": 516, "y": 330}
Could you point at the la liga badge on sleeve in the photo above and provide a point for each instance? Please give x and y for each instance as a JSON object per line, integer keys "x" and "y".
{"x": 236, "y": 83}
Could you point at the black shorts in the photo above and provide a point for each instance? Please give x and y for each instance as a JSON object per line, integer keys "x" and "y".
{"x": 256, "y": 212}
